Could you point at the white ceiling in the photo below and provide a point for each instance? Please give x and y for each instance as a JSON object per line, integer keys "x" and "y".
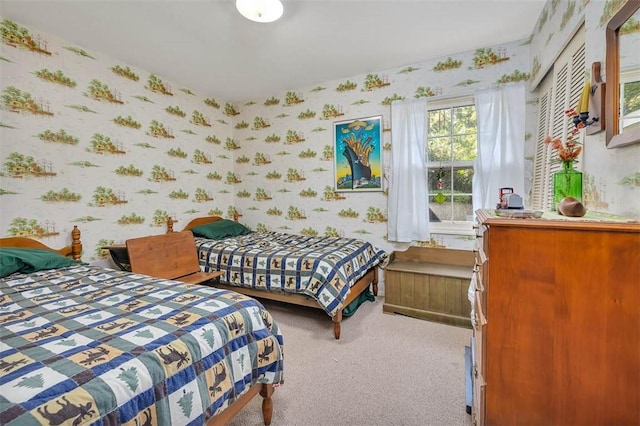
{"x": 208, "y": 47}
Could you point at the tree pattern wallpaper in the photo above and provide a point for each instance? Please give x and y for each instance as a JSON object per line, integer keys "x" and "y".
{"x": 93, "y": 142}
{"x": 610, "y": 177}
{"x": 90, "y": 141}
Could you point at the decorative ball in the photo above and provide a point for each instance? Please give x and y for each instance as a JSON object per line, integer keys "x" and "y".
{"x": 571, "y": 207}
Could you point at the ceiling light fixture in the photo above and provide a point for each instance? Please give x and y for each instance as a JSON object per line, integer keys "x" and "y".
{"x": 260, "y": 10}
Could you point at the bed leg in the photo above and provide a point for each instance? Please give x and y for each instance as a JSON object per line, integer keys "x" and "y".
{"x": 374, "y": 283}
{"x": 267, "y": 404}
{"x": 337, "y": 318}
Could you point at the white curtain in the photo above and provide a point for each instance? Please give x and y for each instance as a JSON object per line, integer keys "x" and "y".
{"x": 408, "y": 210}
{"x": 500, "y": 116}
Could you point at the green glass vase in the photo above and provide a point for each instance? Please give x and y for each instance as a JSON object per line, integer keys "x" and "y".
{"x": 567, "y": 183}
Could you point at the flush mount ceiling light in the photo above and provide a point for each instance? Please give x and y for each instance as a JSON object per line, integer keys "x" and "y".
{"x": 260, "y": 10}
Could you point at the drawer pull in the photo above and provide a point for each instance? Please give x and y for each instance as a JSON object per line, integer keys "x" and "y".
{"x": 475, "y": 370}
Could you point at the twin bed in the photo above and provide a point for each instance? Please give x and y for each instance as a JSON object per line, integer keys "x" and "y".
{"x": 330, "y": 273}
{"x": 81, "y": 344}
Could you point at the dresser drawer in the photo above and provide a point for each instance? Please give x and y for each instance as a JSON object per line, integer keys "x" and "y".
{"x": 478, "y": 352}
{"x": 480, "y": 253}
{"x": 476, "y": 282}
{"x": 477, "y": 299}
{"x": 480, "y": 317}
{"x": 478, "y": 401}
{"x": 479, "y": 229}
{"x": 480, "y": 266}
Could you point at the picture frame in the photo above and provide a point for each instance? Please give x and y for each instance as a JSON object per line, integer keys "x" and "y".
{"x": 357, "y": 152}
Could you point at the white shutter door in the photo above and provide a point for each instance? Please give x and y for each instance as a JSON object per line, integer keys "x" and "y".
{"x": 540, "y": 164}
{"x": 578, "y": 71}
{"x": 559, "y": 91}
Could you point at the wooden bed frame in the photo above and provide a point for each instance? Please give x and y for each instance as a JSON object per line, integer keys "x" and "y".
{"x": 74, "y": 250}
{"x": 264, "y": 389}
{"x": 370, "y": 278}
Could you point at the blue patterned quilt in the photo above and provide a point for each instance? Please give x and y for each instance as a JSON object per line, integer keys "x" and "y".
{"x": 88, "y": 345}
{"x": 322, "y": 268}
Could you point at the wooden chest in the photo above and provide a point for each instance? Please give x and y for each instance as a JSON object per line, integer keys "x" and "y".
{"x": 430, "y": 283}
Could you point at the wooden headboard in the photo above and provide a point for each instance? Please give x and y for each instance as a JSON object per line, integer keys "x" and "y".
{"x": 196, "y": 222}
{"x": 74, "y": 250}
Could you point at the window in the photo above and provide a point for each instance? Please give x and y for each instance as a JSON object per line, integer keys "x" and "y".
{"x": 558, "y": 91}
{"x": 630, "y": 96}
{"x": 451, "y": 149}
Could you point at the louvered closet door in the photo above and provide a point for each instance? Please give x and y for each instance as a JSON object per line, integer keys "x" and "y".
{"x": 559, "y": 91}
{"x": 541, "y": 179}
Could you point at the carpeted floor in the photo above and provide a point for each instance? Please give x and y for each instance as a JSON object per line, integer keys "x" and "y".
{"x": 384, "y": 370}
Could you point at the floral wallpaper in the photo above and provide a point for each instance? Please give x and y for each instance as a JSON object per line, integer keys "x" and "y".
{"x": 93, "y": 142}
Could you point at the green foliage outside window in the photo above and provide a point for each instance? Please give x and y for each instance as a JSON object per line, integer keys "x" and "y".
{"x": 451, "y": 150}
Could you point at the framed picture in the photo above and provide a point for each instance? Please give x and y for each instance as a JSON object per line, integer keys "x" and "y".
{"x": 357, "y": 148}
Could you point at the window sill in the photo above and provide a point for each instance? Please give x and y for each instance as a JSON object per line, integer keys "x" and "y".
{"x": 452, "y": 228}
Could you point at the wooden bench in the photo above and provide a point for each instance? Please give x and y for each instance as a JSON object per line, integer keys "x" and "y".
{"x": 431, "y": 284}
{"x": 170, "y": 256}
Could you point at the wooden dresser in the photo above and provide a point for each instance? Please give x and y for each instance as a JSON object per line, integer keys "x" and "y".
{"x": 556, "y": 322}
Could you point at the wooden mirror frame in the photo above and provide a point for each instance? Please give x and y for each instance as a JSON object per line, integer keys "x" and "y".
{"x": 615, "y": 139}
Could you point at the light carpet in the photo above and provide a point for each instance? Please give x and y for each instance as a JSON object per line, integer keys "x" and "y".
{"x": 385, "y": 370}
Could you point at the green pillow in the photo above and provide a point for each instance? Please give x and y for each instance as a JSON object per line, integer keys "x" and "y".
{"x": 220, "y": 229}
{"x": 9, "y": 264}
{"x": 31, "y": 260}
